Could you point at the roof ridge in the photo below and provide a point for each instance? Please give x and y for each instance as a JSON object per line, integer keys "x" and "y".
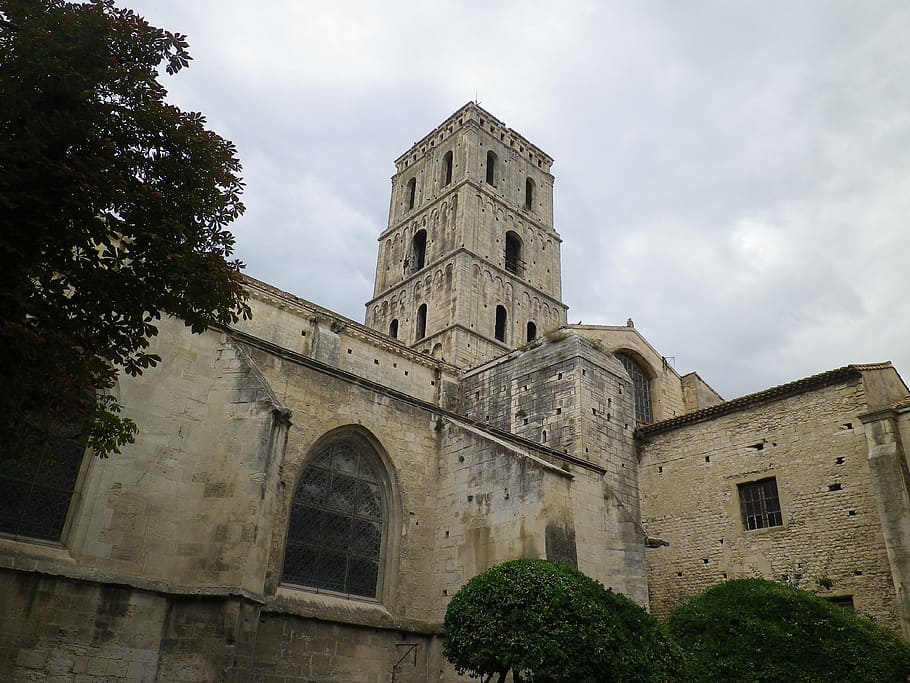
{"x": 770, "y": 394}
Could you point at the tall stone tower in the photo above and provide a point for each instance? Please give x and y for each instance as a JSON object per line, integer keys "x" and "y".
{"x": 469, "y": 266}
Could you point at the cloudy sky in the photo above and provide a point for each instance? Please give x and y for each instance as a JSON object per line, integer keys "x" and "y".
{"x": 734, "y": 176}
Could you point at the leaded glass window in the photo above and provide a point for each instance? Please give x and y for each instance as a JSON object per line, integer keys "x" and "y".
{"x": 641, "y": 389}
{"x": 35, "y": 492}
{"x": 337, "y": 521}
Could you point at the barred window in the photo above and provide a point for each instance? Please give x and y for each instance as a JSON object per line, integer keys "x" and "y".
{"x": 641, "y": 386}
{"x": 760, "y": 504}
{"x": 35, "y": 492}
{"x": 337, "y": 522}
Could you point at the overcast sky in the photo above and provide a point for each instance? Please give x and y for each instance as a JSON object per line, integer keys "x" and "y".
{"x": 734, "y": 176}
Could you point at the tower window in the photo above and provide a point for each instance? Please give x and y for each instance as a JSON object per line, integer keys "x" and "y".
{"x": 491, "y": 168}
{"x": 513, "y": 253}
{"x": 529, "y": 193}
{"x": 421, "y": 330}
{"x": 419, "y": 250}
{"x": 412, "y": 192}
{"x": 393, "y": 329}
{"x": 641, "y": 384}
{"x": 532, "y": 331}
{"x": 447, "y": 168}
{"x": 500, "y": 331}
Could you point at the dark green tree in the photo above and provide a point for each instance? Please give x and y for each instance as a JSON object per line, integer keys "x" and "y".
{"x": 114, "y": 207}
{"x": 766, "y": 632}
{"x": 547, "y": 623}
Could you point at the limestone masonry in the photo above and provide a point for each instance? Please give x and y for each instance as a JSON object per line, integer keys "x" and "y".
{"x": 307, "y": 492}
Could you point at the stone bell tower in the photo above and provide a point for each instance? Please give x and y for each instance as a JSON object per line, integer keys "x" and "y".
{"x": 469, "y": 266}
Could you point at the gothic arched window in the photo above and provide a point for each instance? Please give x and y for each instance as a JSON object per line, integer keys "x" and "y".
{"x": 641, "y": 386}
{"x": 532, "y": 331}
{"x": 393, "y": 329}
{"x": 529, "y": 193}
{"x": 338, "y": 521}
{"x": 491, "y": 168}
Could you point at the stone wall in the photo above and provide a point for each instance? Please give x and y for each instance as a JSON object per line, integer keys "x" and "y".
{"x": 813, "y": 444}
{"x": 666, "y": 388}
{"x": 567, "y": 395}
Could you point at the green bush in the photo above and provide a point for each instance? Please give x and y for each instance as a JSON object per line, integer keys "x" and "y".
{"x": 760, "y": 631}
{"x": 548, "y": 623}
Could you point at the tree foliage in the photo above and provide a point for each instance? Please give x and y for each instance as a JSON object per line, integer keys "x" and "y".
{"x": 545, "y": 623}
{"x": 761, "y": 631}
{"x": 114, "y": 207}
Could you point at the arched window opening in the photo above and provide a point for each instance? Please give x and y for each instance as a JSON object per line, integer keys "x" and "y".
{"x": 421, "y": 330}
{"x": 412, "y": 192}
{"x": 500, "y": 331}
{"x": 491, "y": 168}
{"x": 338, "y": 521}
{"x": 641, "y": 388}
{"x": 419, "y": 250}
{"x": 529, "y": 193}
{"x": 447, "y": 168}
{"x": 37, "y": 489}
{"x": 532, "y": 331}
{"x": 513, "y": 253}
{"x": 393, "y": 329}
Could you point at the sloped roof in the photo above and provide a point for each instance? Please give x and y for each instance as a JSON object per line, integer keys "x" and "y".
{"x": 800, "y": 386}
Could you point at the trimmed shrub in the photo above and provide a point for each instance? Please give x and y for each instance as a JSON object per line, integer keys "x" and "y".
{"x": 546, "y": 622}
{"x": 761, "y": 631}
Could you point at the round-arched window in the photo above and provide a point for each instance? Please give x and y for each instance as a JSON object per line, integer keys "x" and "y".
{"x": 641, "y": 388}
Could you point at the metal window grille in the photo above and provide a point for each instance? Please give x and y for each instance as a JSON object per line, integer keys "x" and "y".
{"x": 760, "y": 504}
{"x": 336, "y": 526}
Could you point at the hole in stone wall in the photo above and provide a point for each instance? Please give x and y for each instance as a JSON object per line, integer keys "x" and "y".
{"x": 559, "y": 376}
{"x": 375, "y": 360}
{"x": 758, "y": 446}
{"x": 660, "y": 470}
{"x": 707, "y": 458}
{"x": 349, "y": 350}
{"x": 848, "y": 425}
{"x": 544, "y": 437}
{"x": 839, "y": 461}
{"x": 852, "y": 513}
{"x": 559, "y": 411}
{"x": 835, "y": 487}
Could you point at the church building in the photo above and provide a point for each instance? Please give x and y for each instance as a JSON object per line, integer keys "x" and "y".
{"x": 307, "y": 492}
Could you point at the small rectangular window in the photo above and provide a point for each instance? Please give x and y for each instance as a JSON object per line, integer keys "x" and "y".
{"x": 845, "y": 601}
{"x": 760, "y": 504}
